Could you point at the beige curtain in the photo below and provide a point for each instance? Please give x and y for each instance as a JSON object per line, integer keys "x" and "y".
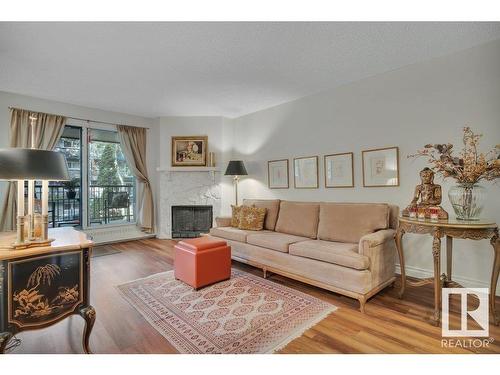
{"x": 133, "y": 142}
{"x": 48, "y": 130}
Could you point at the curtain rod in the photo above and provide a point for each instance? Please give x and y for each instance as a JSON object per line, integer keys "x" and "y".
{"x": 82, "y": 119}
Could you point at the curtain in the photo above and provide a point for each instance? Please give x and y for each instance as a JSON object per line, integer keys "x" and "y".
{"x": 133, "y": 142}
{"x": 48, "y": 130}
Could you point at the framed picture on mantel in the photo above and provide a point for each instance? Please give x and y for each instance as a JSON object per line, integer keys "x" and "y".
{"x": 189, "y": 151}
{"x": 381, "y": 167}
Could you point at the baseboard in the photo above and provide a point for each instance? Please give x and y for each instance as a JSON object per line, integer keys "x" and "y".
{"x": 422, "y": 273}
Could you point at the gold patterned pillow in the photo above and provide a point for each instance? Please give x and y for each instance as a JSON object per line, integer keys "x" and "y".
{"x": 252, "y": 218}
{"x": 235, "y": 217}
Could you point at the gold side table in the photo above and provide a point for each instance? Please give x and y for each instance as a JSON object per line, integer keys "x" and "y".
{"x": 474, "y": 230}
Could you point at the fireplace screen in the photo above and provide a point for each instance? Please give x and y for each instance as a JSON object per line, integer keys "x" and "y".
{"x": 191, "y": 221}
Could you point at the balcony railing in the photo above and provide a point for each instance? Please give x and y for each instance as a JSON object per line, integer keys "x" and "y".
{"x": 107, "y": 204}
{"x": 111, "y": 204}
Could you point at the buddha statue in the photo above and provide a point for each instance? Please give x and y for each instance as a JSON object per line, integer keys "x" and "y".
{"x": 427, "y": 196}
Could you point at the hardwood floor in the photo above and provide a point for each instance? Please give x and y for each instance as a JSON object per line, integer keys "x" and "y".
{"x": 390, "y": 325}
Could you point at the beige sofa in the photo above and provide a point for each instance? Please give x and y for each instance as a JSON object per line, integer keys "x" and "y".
{"x": 347, "y": 248}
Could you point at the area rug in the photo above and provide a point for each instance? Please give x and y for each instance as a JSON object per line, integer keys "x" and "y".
{"x": 246, "y": 314}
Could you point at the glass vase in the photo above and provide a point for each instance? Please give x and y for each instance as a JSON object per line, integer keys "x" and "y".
{"x": 467, "y": 200}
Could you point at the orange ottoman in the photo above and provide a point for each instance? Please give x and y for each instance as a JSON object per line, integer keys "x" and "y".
{"x": 202, "y": 261}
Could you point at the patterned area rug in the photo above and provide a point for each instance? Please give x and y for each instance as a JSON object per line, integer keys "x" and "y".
{"x": 246, "y": 314}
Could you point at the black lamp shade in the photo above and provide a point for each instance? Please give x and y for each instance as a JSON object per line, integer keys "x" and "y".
{"x": 29, "y": 164}
{"x": 236, "y": 168}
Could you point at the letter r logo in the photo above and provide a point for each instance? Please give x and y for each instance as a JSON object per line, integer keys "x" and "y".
{"x": 479, "y": 315}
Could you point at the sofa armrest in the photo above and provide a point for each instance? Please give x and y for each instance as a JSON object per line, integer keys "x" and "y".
{"x": 223, "y": 221}
{"x": 373, "y": 240}
{"x": 380, "y": 247}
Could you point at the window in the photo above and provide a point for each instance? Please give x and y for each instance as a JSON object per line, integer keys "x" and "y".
{"x": 65, "y": 203}
{"x": 111, "y": 185}
{"x": 107, "y": 193}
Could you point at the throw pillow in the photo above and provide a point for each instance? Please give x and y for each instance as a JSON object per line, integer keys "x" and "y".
{"x": 235, "y": 217}
{"x": 252, "y": 218}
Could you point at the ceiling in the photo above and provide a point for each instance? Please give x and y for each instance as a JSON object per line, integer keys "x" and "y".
{"x": 212, "y": 69}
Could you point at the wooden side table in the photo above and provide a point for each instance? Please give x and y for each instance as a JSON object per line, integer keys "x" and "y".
{"x": 474, "y": 230}
{"x": 41, "y": 286}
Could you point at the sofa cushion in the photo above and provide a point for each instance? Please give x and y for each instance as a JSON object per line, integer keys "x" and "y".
{"x": 231, "y": 233}
{"x": 235, "y": 216}
{"x": 272, "y": 207}
{"x": 298, "y": 218}
{"x": 252, "y": 218}
{"x": 329, "y": 274}
{"x": 273, "y": 240}
{"x": 343, "y": 254}
{"x": 348, "y": 222}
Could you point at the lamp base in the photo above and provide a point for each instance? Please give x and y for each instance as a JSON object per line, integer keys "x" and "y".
{"x": 31, "y": 243}
{"x": 22, "y": 240}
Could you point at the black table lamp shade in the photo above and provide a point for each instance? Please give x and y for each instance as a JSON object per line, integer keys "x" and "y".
{"x": 236, "y": 168}
{"x": 31, "y": 164}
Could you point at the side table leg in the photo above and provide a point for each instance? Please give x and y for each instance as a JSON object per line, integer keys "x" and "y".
{"x": 4, "y": 340}
{"x": 399, "y": 247}
{"x": 495, "y": 242}
{"x": 87, "y": 313}
{"x": 449, "y": 257}
{"x": 436, "y": 253}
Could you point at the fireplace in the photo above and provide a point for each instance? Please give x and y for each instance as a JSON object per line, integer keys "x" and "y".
{"x": 191, "y": 221}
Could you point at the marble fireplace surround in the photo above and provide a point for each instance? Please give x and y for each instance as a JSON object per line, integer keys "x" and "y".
{"x": 187, "y": 186}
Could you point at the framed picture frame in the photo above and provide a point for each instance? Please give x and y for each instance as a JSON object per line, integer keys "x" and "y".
{"x": 339, "y": 170}
{"x": 305, "y": 172}
{"x": 189, "y": 151}
{"x": 381, "y": 167}
{"x": 277, "y": 174}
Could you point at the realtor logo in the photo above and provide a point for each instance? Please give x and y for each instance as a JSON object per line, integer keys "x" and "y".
{"x": 479, "y": 315}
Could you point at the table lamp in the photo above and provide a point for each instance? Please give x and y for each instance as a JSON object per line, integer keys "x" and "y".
{"x": 236, "y": 168}
{"x": 20, "y": 164}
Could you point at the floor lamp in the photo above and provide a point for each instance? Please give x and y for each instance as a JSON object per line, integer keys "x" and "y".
{"x": 236, "y": 168}
{"x": 20, "y": 164}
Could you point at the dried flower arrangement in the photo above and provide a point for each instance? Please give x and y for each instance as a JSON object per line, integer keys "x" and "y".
{"x": 470, "y": 166}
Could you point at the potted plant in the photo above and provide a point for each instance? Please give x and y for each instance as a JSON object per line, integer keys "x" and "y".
{"x": 71, "y": 187}
{"x": 468, "y": 168}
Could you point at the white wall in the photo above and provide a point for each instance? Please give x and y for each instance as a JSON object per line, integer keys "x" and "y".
{"x": 35, "y": 104}
{"x": 424, "y": 103}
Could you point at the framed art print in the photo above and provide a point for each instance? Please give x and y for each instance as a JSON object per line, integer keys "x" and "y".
{"x": 277, "y": 173}
{"x": 189, "y": 151}
{"x": 381, "y": 167}
{"x": 339, "y": 170}
{"x": 305, "y": 172}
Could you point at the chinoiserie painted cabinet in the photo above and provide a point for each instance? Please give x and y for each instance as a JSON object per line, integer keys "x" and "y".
{"x": 40, "y": 286}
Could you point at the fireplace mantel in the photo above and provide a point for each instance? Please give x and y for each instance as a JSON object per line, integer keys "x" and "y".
{"x": 187, "y": 186}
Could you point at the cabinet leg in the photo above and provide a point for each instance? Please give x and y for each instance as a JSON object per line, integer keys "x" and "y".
{"x": 399, "y": 247}
{"x": 4, "y": 340}
{"x": 495, "y": 242}
{"x": 88, "y": 314}
{"x": 436, "y": 253}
